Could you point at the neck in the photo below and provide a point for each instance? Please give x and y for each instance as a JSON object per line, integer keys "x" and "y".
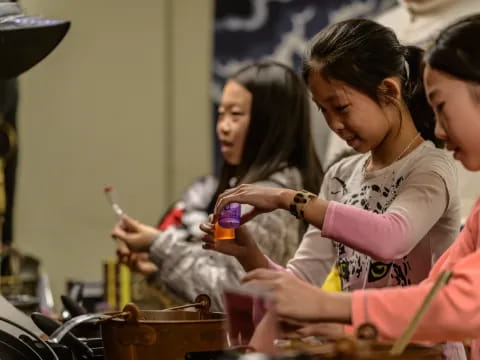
{"x": 396, "y": 145}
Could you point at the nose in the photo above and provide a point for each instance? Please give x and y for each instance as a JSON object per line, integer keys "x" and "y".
{"x": 223, "y": 125}
{"x": 336, "y": 124}
{"x": 440, "y": 132}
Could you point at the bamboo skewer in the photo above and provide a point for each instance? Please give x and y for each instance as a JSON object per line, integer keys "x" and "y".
{"x": 402, "y": 342}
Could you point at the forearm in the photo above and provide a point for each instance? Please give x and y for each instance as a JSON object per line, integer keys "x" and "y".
{"x": 314, "y": 211}
{"x": 253, "y": 259}
{"x": 454, "y": 313}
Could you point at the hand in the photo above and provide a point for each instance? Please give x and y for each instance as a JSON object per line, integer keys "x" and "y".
{"x": 263, "y": 199}
{"x": 297, "y": 300}
{"x": 137, "y": 236}
{"x": 138, "y": 262}
{"x": 287, "y": 290}
{"x": 294, "y": 330}
{"x": 243, "y": 247}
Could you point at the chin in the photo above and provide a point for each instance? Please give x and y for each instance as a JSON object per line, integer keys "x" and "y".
{"x": 471, "y": 165}
{"x": 231, "y": 161}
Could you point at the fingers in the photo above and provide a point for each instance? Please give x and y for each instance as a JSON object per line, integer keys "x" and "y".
{"x": 208, "y": 228}
{"x": 261, "y": 275}
{"x": 123, "y": 255}
{"x": 125, "y": 226}
{"x": 208, "y": 242}
{"x": 118, "y": 232}
{"x": 228, "y": 196}
{"x": 128, "y": 223}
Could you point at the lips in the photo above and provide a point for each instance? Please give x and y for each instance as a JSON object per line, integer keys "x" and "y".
{"x": 226, "y": 146}
{"x": 352, "y": 140}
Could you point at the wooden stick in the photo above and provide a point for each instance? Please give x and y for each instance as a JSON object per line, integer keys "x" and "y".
{"x": 402, "y": 342}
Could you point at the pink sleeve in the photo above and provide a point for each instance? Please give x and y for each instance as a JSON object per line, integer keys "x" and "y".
{"x": 455, "y": 312}
{"x": 351, "y": 226}
{"x": 392, "y": 235}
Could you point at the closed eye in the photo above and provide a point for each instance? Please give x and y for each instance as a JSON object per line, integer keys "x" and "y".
{"x": 342, "y": 108}
{"x": 439, "y": 107}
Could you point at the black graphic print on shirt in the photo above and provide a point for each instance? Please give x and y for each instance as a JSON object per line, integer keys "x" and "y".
{"x": 357, "y": 269}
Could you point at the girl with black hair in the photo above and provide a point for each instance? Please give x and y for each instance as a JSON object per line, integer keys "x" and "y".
{"x": 452, "y": 81}
{"x": 263, "y": 128}
{"x": 383, "y": 216}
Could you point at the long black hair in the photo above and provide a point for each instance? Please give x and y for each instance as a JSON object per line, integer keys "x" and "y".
{"x": 456, "y": 51}
{"x": 279, "y": 133}
{"x": 362, "y": 53}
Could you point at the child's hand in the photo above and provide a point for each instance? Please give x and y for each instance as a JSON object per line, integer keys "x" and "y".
{"x": 263, "y": 199}
{"x": 137, "y": 261}
{"x": 137, "y": 236}
{"x": 243, "y": 247}
{"x": 294, "y": 330}
{"x": 293, "y": 298}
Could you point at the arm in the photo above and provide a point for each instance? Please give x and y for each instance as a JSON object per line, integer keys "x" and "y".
{"x": 455, "y": 312}
{"x": 316, "y": 254}
{"x": 188, "y": 269}
{"x": 419, "y": 205}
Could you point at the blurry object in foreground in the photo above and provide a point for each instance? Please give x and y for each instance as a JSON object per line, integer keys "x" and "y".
{"x": 24, "y": 283}
{"x": 240, "y": 324}
{"x": 117, "y": 280}
{"x": 26, "y": 40}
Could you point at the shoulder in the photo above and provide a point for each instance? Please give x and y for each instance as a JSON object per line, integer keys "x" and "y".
{"x": 430, "y": 159}
{"x": 199, "y": 193}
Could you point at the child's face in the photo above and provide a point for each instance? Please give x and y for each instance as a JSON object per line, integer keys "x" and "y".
{"x": 456, "y": 104}
{"x": 352, "y": 115}
{"x": 233, "y": 121}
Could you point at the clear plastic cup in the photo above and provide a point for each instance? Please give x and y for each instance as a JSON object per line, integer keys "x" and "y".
{"x": 230, "y": 216}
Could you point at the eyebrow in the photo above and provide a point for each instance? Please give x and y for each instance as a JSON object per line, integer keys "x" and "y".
{"x": 328, "y": 99}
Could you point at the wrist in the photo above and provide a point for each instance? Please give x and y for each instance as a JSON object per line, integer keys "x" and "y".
{"x": 252, "y": 259}
{"x": 151, "y": 240}
{"x": 285, "y": 198}
{"x": 336, "y": 306}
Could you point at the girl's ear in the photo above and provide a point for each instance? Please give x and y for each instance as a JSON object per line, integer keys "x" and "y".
{"x": 390, "y": 90}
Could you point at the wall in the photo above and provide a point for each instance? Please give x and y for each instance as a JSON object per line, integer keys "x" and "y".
{"x": 122, "y": 101}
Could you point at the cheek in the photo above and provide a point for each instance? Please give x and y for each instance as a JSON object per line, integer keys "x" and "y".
{"x": 241, "y": 131}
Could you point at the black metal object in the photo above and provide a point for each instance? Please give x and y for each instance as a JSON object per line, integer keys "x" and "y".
{"x": 25, "y": 40}
{"x": 33, "y": 348}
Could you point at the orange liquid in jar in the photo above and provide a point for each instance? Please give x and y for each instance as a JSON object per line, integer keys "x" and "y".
{"x": 222, "y": 233}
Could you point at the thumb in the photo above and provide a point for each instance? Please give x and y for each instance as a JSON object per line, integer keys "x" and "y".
{"x": 119, "y": 232}
{"x": 129, "y": 223}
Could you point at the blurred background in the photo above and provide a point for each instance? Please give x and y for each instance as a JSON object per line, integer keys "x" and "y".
{"x": 128, "y": 99}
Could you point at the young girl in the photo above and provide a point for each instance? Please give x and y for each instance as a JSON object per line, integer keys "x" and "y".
{"x": 452, "y": 80}
{"x": 264, "y": 131}
{"x": 392, "y": 210}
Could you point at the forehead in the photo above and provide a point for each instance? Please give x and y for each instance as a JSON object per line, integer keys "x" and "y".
{"x": 324, "y": 89}
{"x": 235, "y": 93}
{"x": 440, "y": 83}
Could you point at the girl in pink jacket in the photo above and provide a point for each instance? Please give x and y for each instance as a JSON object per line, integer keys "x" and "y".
{"x": 452, "y": 81}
